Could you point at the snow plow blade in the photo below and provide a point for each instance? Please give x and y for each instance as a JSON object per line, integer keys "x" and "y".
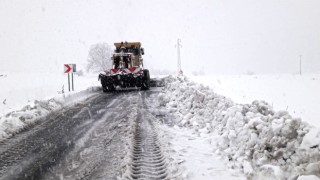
{"x": 156, "y": 82}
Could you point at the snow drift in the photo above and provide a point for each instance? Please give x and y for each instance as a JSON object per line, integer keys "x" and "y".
{"x": 16, "y": 121}
{"x": 252, "y": 137}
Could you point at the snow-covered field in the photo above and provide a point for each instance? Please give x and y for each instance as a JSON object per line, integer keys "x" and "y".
{"x": 21, "y": 88}
{"x": 28, "y": 96}
{"x": 261, "y": 142}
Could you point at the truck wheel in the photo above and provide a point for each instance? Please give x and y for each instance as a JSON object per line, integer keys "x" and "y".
{"x": 145, "y": 80}
{"x": 107, "y": 84}
{"x": 104, "y": 89}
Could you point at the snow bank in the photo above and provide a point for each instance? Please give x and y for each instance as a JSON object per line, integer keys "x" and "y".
{"x": 251, "y": 137}
{"x": 297, "y": 94}
{"x": 20, "y": 88}
{"x": 16, "y": 121}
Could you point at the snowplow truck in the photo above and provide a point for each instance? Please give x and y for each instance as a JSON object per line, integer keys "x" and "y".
{"x": 127, "y": 68}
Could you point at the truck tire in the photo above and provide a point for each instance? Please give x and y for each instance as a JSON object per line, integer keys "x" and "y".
{"x": 145, "y": 80}
{"x": 106, "y": 84}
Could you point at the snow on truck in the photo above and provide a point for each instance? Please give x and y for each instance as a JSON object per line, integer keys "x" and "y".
{"x": 127, "y": 68}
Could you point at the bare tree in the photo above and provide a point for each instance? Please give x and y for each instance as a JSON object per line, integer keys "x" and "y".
{"x": 99, "y": 58}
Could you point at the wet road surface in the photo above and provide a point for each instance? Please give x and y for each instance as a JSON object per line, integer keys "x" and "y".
{"x": 100, "y": 138}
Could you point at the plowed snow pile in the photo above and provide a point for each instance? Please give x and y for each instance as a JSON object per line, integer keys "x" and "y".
{"x": 18, "y": 120}
{"x": 260, "y": 141}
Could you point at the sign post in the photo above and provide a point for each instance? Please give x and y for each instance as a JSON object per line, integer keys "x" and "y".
{"x": 70, "y": 68}
{"x": 72, "y": 81}
{"x": 74, "y": 69}
{"x": 69, "y": 81}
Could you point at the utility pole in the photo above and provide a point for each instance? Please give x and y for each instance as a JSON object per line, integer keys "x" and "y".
{"x": 179, "y": 59}
{"x": 300, "y": 65}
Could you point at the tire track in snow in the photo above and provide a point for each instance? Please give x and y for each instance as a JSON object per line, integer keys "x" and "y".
{"x": 31, "y": 154}
{"x": 148, "y": 160}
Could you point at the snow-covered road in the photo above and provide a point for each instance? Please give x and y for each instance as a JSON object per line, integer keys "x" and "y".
{"x": 107, "y": 136}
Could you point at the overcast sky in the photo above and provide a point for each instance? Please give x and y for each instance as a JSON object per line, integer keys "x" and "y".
{"x": 218, "y": 36}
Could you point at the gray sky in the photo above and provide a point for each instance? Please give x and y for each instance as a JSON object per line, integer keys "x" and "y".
{"x": 218, "y": 36}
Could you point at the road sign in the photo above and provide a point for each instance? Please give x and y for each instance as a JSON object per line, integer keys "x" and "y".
{"x": 70, "y": 69}
{"x": 74, "y": 68}
{"x": 67, "y": 68}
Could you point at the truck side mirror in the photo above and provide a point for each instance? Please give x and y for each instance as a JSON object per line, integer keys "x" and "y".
{"x": 142, "y": 51}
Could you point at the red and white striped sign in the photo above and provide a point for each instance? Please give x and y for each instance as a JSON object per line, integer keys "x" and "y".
{"x": 67, "y": 68}
{"x": 126, "y": 71}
